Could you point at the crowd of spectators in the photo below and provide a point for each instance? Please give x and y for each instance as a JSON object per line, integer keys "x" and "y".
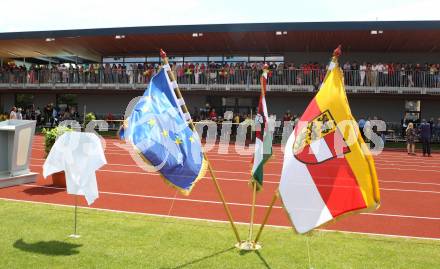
{"x": 50, "y": 115}
{"x": 364, "y": 74}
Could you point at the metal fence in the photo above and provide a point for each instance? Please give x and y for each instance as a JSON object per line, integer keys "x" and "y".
{"x": 297, "y": 77}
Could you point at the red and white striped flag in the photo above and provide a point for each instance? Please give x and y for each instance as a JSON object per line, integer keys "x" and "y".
{"x": 263, "y": 140}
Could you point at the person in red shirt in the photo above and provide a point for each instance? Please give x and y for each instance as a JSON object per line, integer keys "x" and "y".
{"x": 213, "y": 115}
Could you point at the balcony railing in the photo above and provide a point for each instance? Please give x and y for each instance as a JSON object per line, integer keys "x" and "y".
{"x": 222, "y": 79}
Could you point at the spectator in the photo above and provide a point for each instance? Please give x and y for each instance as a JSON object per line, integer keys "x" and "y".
{"x": 213, "y": 115}
{"x": 19, "y": 114}
{"x": 425, "y": 135}
{"x": 361, "y": 127}
{"x": 13, "y": 114}
{"x": 437, "y": 130}
{"x": 287, "y": 116}
{"x": 362, "y": 70}
{"x": 411, "y": 139}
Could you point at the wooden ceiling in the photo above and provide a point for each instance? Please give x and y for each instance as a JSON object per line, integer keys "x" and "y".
{"x": 223, "y": 39}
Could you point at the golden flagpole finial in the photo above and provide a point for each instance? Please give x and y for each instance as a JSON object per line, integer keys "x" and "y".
{"x": 336, "y": 54}
{"x": 338, "y": 51}
{"x": 163, "y": 54}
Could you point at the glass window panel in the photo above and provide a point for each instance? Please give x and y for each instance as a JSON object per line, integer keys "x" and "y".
{"x": 113, "y": 60}
{"x": 176, "y": 59}
{"x": 196, "y": 59}
{"x": 135, "y": 60}
{"x": 215, "y": 58}
{"x": 274, "y": 58}
{"x": 256, "y": 59}
{"x": 412, "y": 105}
{"x": 153, "y": 59}
{"x": 236, "y": 58}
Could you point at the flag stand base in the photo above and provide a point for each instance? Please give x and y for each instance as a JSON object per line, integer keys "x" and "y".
{"x": 74, "y": 236}
{"x": 247, "y": 245}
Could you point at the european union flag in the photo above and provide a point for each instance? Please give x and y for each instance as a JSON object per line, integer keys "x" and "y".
{"x": 158, "y": 129}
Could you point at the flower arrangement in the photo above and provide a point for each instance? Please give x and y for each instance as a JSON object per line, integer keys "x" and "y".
{"x": 89, "y": 117}
{"x": 50, "y": 136}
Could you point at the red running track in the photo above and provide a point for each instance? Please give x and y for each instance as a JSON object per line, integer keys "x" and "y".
{"x": 410, "y": 191}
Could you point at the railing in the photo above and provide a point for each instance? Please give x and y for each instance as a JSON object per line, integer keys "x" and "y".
{"x": 310, "y": 79}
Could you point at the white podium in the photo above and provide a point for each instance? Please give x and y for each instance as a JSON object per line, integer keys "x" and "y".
{"x": 16, "y": 138}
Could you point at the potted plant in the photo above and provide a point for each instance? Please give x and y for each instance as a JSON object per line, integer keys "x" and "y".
{"x": 89, "y": 117}
{"x": 50, "y": 136}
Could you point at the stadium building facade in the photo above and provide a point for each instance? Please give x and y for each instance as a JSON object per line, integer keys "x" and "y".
{"x": 391, "y": 68}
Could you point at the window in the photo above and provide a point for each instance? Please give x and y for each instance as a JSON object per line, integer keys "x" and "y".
{"x": 134, "y": 60}
{"x": 153, "y": 59}
{"x": 215, "y": 58}
{"x": 176, "y": 59}
{"x": 24, "y": 100}
{"x": 113, "y": 60}
{"x": 235, "y": 59}
{"x": 67, "y": 100}
{"x": 256, "y": 59}
{"x": 196, "y": 59}
{"x": 277, "y": 59}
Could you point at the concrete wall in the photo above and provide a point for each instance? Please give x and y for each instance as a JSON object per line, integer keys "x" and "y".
{"x": 7, "y": 101}
{"x": 117, "y": 103}
{"x": 324, "y": 57}
{"x": 103, "y": 104}
{"x": 42, "y": 99}
{"x": 279, "y": 105}
{"x": 430, "y": 109}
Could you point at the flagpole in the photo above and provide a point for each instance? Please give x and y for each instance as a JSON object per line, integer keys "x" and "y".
{"x": 75, "y": 235}
{"x": 266, "y": 217}
{"x": 249, "y": 244}
{"x": 211, "y": 171}
{"x": 251, "y": 225}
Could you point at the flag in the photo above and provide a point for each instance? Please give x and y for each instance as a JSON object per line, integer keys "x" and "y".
{"x": 158, "y": 130}
{"x": 263, "y": 139}
{"x": 328, "y": 171}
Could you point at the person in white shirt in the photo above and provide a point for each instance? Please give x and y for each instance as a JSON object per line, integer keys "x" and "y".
{"x": 362, "y": 69}
{"x": 374, "y": 69}
{"x": 129, "y": 72}
{"x": 379, "y": 78}
{"x": 385, "y": 75}
{"x": 197, "y": 73}
{"x": 19, "y": 114}
{"x": 13, "y": 114}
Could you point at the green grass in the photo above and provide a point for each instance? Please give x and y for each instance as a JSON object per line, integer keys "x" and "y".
{"x": 36, "y": 236}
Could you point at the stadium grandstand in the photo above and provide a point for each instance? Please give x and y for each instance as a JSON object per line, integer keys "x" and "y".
{"x": 392, "y": 68}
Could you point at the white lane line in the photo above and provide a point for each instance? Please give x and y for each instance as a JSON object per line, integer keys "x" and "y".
{"x": 246, "y": 173}
{"x": 275, "y": 160}
{"x": 157, "y": 197}
{"x": 378, "y": 166}
{"x": 215, "y": 221}
{"x": 400, "y": 216}
{"x": 217, "y": 202}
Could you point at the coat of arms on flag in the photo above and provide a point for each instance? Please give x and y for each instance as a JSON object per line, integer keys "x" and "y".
{"x": 320, "y": 140}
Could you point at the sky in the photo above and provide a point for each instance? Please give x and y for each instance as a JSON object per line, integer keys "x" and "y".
{"x": 37, "y": 15}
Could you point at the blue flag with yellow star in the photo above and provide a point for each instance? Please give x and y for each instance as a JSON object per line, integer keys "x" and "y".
{"x": 159, "y": 131}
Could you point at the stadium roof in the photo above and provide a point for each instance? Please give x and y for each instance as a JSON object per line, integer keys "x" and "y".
{"x": 253, "y": 38}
